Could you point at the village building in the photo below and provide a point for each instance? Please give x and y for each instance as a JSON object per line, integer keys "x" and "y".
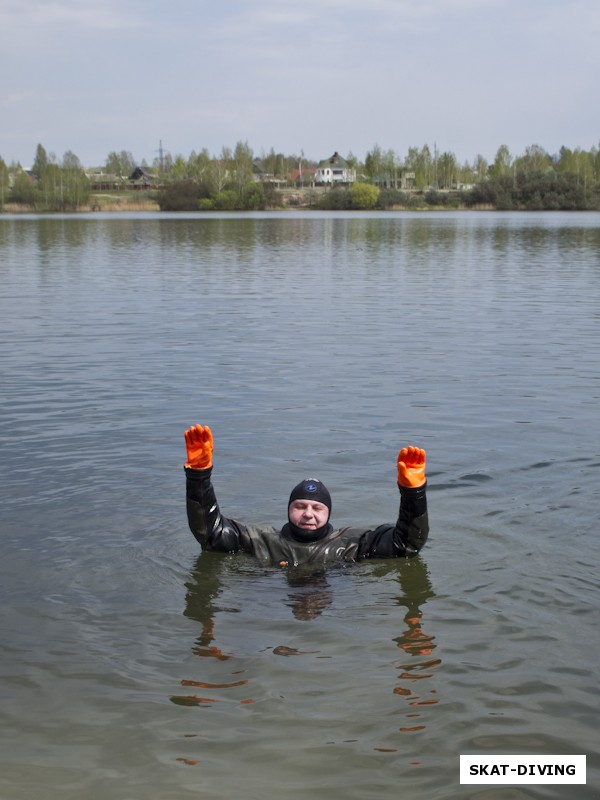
{"x": 334, "y": 171}
{"x": 141, "y": 178}
{"x": 260, "y": 174}
{"x": 303, "y": 176}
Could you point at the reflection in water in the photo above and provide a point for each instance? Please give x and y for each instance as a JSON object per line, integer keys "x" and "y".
{"x": 310, "y": 594}
{"x": 416, "y": 672}
{"x": 416, "y": 643}
{"x": 203, "y": 591}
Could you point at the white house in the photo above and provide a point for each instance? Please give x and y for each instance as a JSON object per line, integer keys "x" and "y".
{"x": 334, "y": 170}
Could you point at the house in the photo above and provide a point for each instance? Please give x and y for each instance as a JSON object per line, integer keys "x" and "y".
{"x": 101, "y": 181}
{"x": 303, "y": 176}
{"x": 140, "y": 178}
{"x": 260, "y": 174}
{"x": 334, "y": 171}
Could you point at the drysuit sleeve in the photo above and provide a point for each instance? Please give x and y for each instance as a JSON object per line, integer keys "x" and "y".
{"x": 210, "y": 528}
{"x": 409, "y": 534}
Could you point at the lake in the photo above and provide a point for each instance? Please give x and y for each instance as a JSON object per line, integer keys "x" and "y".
{"x": 314, "y": 344}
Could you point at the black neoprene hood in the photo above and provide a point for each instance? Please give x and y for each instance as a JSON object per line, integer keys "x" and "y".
{"x": 311, "y": 489}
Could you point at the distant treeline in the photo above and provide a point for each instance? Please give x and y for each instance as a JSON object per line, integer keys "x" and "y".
{"x": 237, "y": 179}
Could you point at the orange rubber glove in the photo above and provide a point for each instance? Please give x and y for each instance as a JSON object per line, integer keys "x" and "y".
{"x": 411, "y": 467}
{"x": 199, "y": 446}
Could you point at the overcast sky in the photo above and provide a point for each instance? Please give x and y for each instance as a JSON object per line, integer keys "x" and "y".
{"x": 467, "y": 76}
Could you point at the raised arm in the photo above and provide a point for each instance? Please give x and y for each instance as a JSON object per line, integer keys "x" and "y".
{"x": 410, "y": 533}
{"x": 209, "y": 526}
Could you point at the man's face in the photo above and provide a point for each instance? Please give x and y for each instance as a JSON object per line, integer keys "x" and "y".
{"x": 308, "y": 514}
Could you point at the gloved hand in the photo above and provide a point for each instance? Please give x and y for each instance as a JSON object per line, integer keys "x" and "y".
{"x": 199, "y": 446}
{"x": 411, "y": 467}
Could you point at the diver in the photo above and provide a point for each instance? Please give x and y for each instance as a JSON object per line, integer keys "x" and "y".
{"x": 308, "y": 537}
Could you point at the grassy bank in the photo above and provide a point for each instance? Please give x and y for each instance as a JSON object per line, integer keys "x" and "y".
{"x": 122, "y": 201}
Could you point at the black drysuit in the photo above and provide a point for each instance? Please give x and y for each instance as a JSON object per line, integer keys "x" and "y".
{"x": 284, "y": 547}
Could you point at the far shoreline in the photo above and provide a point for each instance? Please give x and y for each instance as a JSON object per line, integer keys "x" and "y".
{"x": 150, "y": 207}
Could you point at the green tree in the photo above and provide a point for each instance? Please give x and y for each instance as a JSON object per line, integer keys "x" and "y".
{"x": 535, "y": 159}
{"x": 52, "y": 188}
{"x": 284, "y": 165}
{"x": 363, "y": 195}
{"x": 565, "y": 161}
{"x": 63, "y": 187}
{"x": 389, "y": 198}
{"x": 336, "y": 199}
{"x": 4, "y": 183}
{"x": 503, "y": 163}
{"x": 241, "y": 167}
{"x": 595, "y": 162}
{"x": 279, "y": 165}
{"x": 584, "y": 168}
{"x": 163, "y": 165}
{"x": 71, "y": 162}
{"x": 227, "y": 200}
{"x": 179, "y": 171}
{"x": 182, "y": 196}
{"x": 392, "y": 169}
{"x": 254, "y": 196}
{"x": 351, "y": 160}
{"x": 76, "y": 184}
{"x": 480, "y": 168}
{"x": 447, "y": 169}
{"x": 421, "y": 163}
{"x": 374, "y": 165}
{"x": 23, "y": 191}
{"x": 219, "y": 172}
{"x": 199, "y": 165}
{"x": 120, "y": 164}
{"x": 40, "y": 162}
{"x": 269, "y": 161}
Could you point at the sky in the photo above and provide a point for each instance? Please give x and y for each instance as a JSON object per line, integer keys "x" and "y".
{"x": 305, "y": 77}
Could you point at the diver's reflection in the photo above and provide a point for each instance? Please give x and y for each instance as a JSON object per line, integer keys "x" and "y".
{"x": 310, "y": 596}
{"x": 312, "y": 593}
{"x": 201, "y": 603}
{"x": 417, "y": 669}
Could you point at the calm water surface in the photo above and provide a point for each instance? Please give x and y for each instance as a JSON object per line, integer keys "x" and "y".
{"x": 134, "y": 667}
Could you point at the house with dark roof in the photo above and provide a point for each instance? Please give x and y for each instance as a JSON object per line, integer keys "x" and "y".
{"x": 334, "y": 171}
{"x": 260, "y": 175}
{"x": 140, "y": 178}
